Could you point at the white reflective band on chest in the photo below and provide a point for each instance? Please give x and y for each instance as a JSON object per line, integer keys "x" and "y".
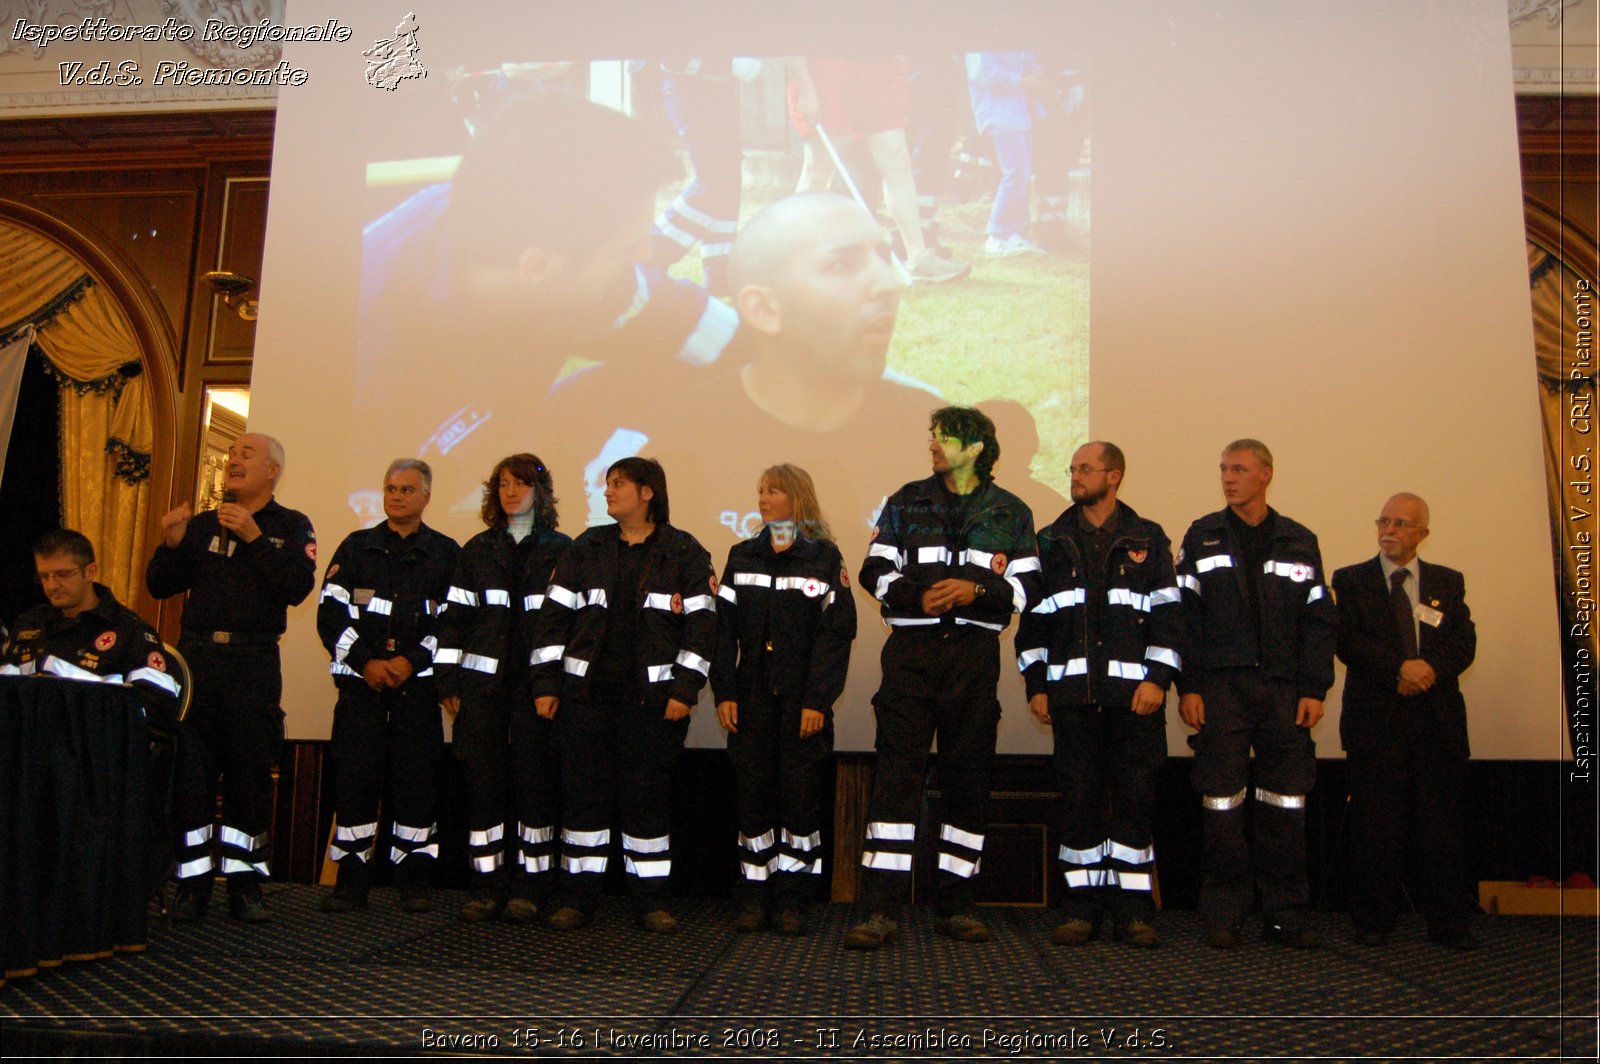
{"x": 933, "y": 556}
{"x": 67, "y": 670}
{"x": 575, "y": 666}
{"x": 1190, "y": 582}
{"x": 447, "y": 656}
{"x": 1282, "y": 801}
{"x": 880, "y": 829}
{"x": 727, "y": 592}
{"x": 461, "y": 596}
{"x": 1215, "y": 561}
{"x": 1032, "y": 657}
{"x": 982, "y": 624}
{"x": 1126, "y": 670}
{"x": 758, "y": 579}
{"x": 1127, "y": 854}
{"x": 1075, "y": 667}
{"x": 1121, "y": 596}
{"x": 347, "y": 639}
{"x": 809, "y": 584}
{"x": 562, "y": 597}
{"x": 1165, "y": 596}
{"x": 950, "y": 833}
{"x": 1314, "y": 594}
{"x": 541, "y": 655}
{"x": 883, "y": 585}
{"x": 976, "y": 557}
{"x": 883, "y": 550}
{"x": 909, "y": 622}
{"x": 157, "y": 677}
{"x": 1299, "y": 572}
{"x": 959, "y": 866}
{"x": 1061, "y": 600}
{"x": 658, "y": 673}
{"x": 1164, "y": 656}
{"x": 481, "y": 663}
{"x": 531, "y": 603}
{"x": 657, "y": 601}
{"x": 494, "y": 596}
{"x": 381, "y": 606}
{"x": 694, "y": 603}
{"x": 1223, "y": 802}
{"x": 695, "y": 662}
{"x": 596, "y": 596}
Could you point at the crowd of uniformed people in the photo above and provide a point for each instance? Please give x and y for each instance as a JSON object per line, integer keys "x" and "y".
{"x": 569, "y": 668}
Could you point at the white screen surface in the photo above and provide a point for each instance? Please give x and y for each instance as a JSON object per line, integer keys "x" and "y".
{"x": 1305, "y": 228}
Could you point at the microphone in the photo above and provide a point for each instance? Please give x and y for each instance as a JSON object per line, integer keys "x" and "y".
{"x": 228, "y": 495}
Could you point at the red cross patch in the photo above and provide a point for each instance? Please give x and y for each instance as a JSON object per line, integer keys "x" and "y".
{"x": 999, "y": 564}
{"x": 844, "y": 577}
{"x": 811, "y": 588}
{"x": 106, "y": 641}
{"x": 714, "y": 586}
{"x": 156, "y": 661}
{"x": 677, "y": 603}
{"x": 1300, "y": 573}
{"x": 1138, "y": 556}
{"x": 311, "y": 550}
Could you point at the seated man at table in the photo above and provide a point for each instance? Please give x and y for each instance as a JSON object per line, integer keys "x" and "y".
{"x": 84, "y": 633}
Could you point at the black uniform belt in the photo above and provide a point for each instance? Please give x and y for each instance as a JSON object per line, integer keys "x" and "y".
{"x": 248, "y": 639}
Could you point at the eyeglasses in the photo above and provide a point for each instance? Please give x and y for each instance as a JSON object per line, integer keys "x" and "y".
{"x": 60, "y": 575}
{"x": 1399, "y": 524}
{"x": 1085, "y": 470}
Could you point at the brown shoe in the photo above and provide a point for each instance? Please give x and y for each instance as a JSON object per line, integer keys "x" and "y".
{"x": 480, "y": 910}
{"x": 520, "y": 911}
{"x": 1138, "y": 934}
{"x": 568, "y": 918}
{"x": 963, "y": 927}
{"x": 791, "y": 922}
{"x": 871, "y": 933}
{"x": 659, "y": 922}
{"x": 750, "y": 918}
{"x": 1074, "y": 932}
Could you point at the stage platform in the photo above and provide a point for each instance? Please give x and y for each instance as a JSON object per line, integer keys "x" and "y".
{"x": 385, "y": 982}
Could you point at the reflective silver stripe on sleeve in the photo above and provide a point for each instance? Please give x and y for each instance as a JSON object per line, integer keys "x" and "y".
{"x": 883, "y": 584}
{"x": 339, "y": 668}
{"x": 574, "y": 666}
{"x": 699, "y": 602}
{"x": 447, "y": 656}
{"x": 1165, "y": 596}
{"x": 1215, "y": 561}
{"x": 657, "y": 601}
{"x": 1190, "y": 582}
{"x": 1019, "y": 594}
{"x": 347, "y": 639}
{"x": 1121, "y": 596}
{"x": 70, "y": 671}
{"x": 1061, "y": 600}
{"x": 157, "y": 677}
{"x": 461, "y": 596}
{"x": 759, "y": 579}
{"x": 481, "y": 663}
{"x": 1028, "y": 564}
{"x": 562, "y": 597}
{"x": 541, "y": 655}
{"x": 1222, "y": 803}
{"x": 25, "y": 669}
{"x": 972, "y": 556}
{"x": 893, "y": 554}
{"x": 1032, "y": 657}
{"x": 494, "y": 596}
{"x": 933, "y": 555}
{"x": 695, "y": 662}
{"x": 1314, "y": 594}
{"x": 658, "y": 673}
{"x": 726, "y": 591}
{"x": 1126, "y": 670}
{"x": 1164, "y": 656}
{"x": 1282, "y": 801}
{"x": 711, "y": 334}
{"x": 381, "y": 606}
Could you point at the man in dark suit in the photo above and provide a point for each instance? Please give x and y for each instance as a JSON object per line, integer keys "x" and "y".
{"x": 1405, "y": 635}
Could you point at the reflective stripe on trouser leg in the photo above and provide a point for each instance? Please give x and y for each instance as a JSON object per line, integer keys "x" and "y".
{"x": 486, "y": 849}
{"x": 242, "y": 854}
{"x": 194, "y": 852}
{"x": 411, "y": 843}
{"x": 353, "y": 841}
{"x": 536, "y": 847}
{"x": 758, "y": 856}
{"x": 960, "y": 852}
{"x": 647, "y": 858}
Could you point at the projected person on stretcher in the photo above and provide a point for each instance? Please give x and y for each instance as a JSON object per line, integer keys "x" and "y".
{"x": 530, "y": 257}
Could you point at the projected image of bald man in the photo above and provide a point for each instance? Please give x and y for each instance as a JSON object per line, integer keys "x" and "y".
{"x": 476, "y": 294}
{"x": 818, "y": 301}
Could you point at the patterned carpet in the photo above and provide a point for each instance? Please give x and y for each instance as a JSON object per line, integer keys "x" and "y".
{"x": 385, "y": 982}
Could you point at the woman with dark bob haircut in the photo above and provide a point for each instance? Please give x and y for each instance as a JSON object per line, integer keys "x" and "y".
{"x": 623, "y": 648}
{"x": 482, "y": 666}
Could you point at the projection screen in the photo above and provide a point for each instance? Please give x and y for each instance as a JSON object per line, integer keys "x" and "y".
{"x": 1299, "y": 223}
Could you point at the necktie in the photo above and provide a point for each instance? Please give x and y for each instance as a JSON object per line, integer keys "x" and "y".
{"x": 1402, "y": 612}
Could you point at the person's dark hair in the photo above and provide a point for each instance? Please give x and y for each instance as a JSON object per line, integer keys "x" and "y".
{"x": 529, "y": 469}
{"x": 551, "y": 170}
{"x": 65, "y": 541}
{"x": 1112, "y": 455}
{"x": 970, "y": 426}
{"x": 647, "y": 473}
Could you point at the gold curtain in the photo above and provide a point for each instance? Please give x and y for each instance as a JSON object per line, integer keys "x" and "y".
{"x": 106, "y": 420}
{"x": 1567, "y": 392}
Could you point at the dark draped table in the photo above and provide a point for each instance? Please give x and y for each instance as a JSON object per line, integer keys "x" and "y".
{"x": 74, "y": 875}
